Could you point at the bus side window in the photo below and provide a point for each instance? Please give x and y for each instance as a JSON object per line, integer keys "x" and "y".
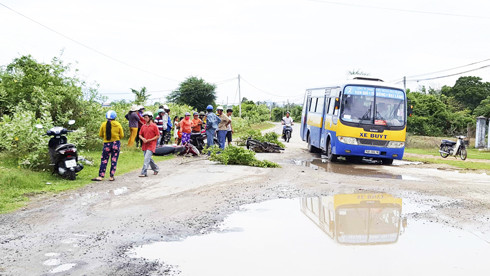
{"x": 310, "y": 100}
{"x": 319, "y": 105}
{"x": 313, "y": 104}
{"x": 331, "y": 109}
{"x": 327, "y": 106}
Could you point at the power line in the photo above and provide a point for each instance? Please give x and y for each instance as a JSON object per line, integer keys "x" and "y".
{"x": 261, "y": 90}
{"x": 451, "y": 75}
{"x": 225, "y": 81}
{"x": 86, "y": 46}
{"x": 400, "y": 10}
{"x": 436, "y": 72}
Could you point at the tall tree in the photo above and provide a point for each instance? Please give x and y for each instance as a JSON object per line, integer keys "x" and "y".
{"x": 140, "y": 96}
{"x": 194, "y": 92}
{"x": 469, "y": 91}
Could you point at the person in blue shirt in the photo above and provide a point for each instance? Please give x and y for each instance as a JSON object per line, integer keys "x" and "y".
{"x": 212, "y": 121}
{"x": 169, "y": 121}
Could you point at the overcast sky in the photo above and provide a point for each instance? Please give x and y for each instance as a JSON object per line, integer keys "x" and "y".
{"x": 279, "y": 48}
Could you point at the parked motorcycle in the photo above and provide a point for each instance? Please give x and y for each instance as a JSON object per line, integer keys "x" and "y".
{"x": 287, "y": 133}
{"x": 453, "y": 148}
{"x": 64, "y": 156}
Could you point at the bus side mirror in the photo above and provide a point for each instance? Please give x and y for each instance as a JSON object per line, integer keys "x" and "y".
{"x": 337, "y": 103}
{"x": 410, "y": 110}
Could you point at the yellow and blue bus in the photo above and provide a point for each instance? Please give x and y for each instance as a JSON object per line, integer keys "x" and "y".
{"x": 361, "y": 118}
{"x": 362, "y": 219}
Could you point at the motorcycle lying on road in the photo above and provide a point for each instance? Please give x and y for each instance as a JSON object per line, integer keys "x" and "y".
{"x": 453, "y": 148}
{"x": 198, "y": 140}
{"x": 64, "y": 156}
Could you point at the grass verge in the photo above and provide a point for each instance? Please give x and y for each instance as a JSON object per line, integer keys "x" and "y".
{"x": 472, "y": 152}
{"x": 18, "y": 184}
{"x": 467, "y": 165}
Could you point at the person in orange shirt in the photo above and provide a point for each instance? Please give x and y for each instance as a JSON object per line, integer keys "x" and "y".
{"x": 185, "y": 128}
{"x": 196, "y": 123}
{"x": 149, "y": 134}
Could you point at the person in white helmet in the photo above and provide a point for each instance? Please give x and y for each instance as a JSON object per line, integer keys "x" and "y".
{"x": 222, "y": 127}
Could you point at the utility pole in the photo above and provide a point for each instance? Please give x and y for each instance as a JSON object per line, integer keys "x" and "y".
{"x": 270, "y": 111}
{"x": 405, "y": 83}
{"x": 239, "y": 98}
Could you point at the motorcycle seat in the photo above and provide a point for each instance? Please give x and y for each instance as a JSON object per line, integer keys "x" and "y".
{"x": 449, "y": 142}
{"x": 65, "y": 146}
{"x": 195, "y": 134}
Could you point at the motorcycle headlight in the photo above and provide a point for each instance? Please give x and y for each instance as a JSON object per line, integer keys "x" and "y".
{"x": 396, "y": 145}
{"x": 348, "y": 140}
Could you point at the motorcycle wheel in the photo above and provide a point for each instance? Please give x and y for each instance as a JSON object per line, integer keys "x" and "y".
{"x": 444, "y": 148}
{"x": 288, "y": 136}
{"x": 71, "y": 175}
{"x": 463, "y": 154}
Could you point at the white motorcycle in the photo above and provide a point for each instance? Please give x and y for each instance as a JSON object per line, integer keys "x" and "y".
{"x": 453, "y": 148}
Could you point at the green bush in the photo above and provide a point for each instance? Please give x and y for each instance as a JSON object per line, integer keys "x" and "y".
{"x": 25, "y": 144}
{"x": 232, "y": 155}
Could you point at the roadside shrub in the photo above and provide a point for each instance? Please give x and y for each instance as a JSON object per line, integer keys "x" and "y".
{"x": 21, "y": 141}
{"x": 232, "y": 155}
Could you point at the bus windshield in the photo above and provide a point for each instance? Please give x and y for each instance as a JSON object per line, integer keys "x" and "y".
{"x": 368, "y": 225}
{"x": 370, "y": 105}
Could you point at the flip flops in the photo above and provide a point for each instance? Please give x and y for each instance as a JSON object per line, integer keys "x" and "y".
{"x": 112, "y": 179}
{"x": 143, "y": 175}
{"x": 96, "y": 179}
{"x": 155, "y": 172}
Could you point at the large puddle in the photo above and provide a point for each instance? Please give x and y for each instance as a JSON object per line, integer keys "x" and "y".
{"x": 348, "y": 168}
{"x": 353, "y": 234}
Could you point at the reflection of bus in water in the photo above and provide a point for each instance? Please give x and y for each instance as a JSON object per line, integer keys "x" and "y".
{"x": 363, "y": 117}
{"x": 362, "y": 219}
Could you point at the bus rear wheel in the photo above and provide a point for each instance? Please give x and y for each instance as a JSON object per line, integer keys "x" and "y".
{"x": 330, "y": 156}
{"x": 311, "y": 148}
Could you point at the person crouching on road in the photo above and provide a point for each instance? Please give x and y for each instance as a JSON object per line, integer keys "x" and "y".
{"x": 222, "y": 127}
{"x": 212, "y": 122}
{"x": 185, "y": 128}
{"x": 112, "y": 132}
{"x": 149, "y": 135}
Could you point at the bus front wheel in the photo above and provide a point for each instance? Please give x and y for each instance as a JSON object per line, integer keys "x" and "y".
{"x": 330, "y": 156}
{"x": 385, "y": 161}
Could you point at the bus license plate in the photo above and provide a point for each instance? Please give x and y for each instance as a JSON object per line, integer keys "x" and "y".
{"x": 371, "y": 151}
{"x": 70, "y": 163}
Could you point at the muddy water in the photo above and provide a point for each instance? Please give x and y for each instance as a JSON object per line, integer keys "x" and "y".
{"x": 369, "y": 168}
{"x": 280, "y": 237}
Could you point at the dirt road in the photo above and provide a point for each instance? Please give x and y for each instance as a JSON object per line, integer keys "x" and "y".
{"x": 89, "y": 231}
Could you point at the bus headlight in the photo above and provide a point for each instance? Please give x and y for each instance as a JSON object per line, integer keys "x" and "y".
{"x": 348, "y": 140}
{"x": 396, "y": 145}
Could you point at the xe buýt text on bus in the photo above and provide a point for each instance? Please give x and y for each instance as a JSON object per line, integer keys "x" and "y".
{"x": 361, "y": 118}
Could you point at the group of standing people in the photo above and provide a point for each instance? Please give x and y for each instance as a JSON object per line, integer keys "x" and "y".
{"x": 147, "y": 130}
